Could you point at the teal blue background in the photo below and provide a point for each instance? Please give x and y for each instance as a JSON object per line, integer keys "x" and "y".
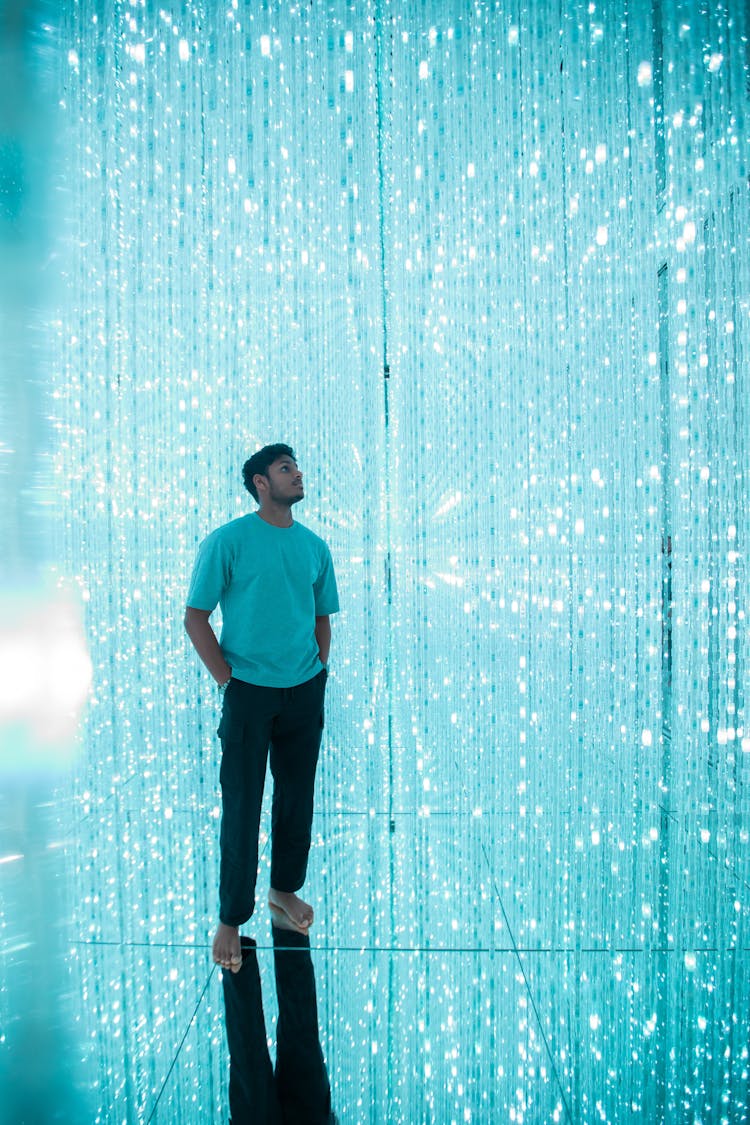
{"x": 485, "y": 266}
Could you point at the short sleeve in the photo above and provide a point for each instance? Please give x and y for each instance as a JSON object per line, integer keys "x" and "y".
{"x": 324, "y": 587}
{"x": 211, "y": 574}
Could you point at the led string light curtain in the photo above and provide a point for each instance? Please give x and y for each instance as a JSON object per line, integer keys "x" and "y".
{"x": 512, "y": 303}
{"x": 211, "y": 228}
{"x": 537, "y": 218}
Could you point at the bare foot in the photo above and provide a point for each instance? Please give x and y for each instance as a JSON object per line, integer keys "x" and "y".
{"x": 227, "y": 947}
{"x": 289, "y": 912}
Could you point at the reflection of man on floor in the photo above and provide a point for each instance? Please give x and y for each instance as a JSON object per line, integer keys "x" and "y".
{"x": 275, "y": 584}
{"x": 297, "y": 1089}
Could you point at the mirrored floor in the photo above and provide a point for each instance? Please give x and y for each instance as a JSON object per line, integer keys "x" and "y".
{"x": 463, "y": 969}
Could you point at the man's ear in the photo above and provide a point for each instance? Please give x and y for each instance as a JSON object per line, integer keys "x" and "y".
{"x": 260, "y": 482}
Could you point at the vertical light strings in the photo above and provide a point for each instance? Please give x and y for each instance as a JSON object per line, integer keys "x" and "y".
{"x": 565, "y": 432}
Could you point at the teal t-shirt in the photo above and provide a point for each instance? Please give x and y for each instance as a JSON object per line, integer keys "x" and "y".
{"x": 271, "y": 583}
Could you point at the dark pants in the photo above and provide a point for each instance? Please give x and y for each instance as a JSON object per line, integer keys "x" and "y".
{"x": 289, "y": 721}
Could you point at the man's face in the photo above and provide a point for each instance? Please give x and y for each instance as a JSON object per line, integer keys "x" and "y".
{"x": 282, "y": 484}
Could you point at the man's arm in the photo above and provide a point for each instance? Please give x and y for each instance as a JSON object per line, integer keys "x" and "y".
{"x": 204, "y": 640}
{"x": 323, "y": 637}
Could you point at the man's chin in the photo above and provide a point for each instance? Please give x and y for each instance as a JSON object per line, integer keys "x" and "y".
{"x": 296, "y": 499}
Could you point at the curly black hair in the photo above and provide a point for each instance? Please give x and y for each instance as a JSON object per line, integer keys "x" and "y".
{"x": 260, "y": 461}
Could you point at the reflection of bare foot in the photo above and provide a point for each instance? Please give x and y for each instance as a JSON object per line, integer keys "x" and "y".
{"x": 289, "y": 912}
{"x": 227, "y": 947}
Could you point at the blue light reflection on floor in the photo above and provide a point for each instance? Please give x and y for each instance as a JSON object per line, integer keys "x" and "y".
{"x": 531, "y": 859}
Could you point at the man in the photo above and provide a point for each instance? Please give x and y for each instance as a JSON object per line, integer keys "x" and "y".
{"x": 275, "y": 583}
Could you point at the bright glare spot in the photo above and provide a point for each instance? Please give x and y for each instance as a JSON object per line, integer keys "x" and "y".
{"x": 45, "y": 676}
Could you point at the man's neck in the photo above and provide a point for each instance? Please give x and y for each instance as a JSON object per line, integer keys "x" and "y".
{"x": 278, "y": 515}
